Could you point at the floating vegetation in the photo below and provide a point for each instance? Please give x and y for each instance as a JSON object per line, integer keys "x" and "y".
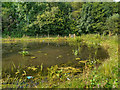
{"x": 39, "y": 51}
{"x": 32, "y": 68}
{"x": 77, "y": 58}
{"x": 56, "y": 73}
{"x": 45, "y": 54}
{"x": 60, "y": 56}
{"x": 75, "y": 52}
{"x": 68, "y": 54}
{"x": 33, "y": 57}
{"x": 70, "y": 70}
{"x": 24, "y": 53}
{"x": 83, "y": 61}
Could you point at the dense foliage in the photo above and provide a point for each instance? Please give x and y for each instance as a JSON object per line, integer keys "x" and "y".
{"x": 63, "y": 18}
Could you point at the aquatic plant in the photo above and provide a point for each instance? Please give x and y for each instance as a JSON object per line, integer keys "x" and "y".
{"x": 32, "y": 68}
{"x": 45, "y": 54}
{"x": 33, "y": 57}
{"x": 75, "y": 52}
{"x": 56, "y": 73}
{"x": 23, "y": 53}
{"x": 41, "y": 67}
{"x": 77, "y": 58}
{"x": 60, "y": 56}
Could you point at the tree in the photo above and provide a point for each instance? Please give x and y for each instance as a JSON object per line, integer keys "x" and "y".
{"x": 86, "y": 20}
{"x": 18, "y": 15}
{"x": 93, "y": 16}
{"x": 46, "y": 18}
{"x": 76, "y": 9}
{"x": 63, "y": 18}
{"x": 55, "y": 19}
{"x": 112, "y": 24}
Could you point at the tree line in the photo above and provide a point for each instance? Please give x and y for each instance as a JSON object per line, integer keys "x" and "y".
{"x": 63, "y": 18}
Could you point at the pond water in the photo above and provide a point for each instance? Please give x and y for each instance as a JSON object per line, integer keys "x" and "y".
{"x": 46, "y": 53}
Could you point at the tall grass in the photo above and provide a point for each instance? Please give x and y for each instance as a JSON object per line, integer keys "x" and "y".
{"x": 104, "y": 76}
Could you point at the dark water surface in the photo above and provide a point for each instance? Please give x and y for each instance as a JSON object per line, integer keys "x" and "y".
{"x": 46, "y": 53}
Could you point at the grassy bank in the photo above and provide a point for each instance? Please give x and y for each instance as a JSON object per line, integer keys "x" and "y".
{"x": 30, "y": 39}
{"x": 104, "y": 75}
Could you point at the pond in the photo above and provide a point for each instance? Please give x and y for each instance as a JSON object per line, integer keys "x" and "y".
{"x": 48, "y": 61}
{"x": 47, "y": 54}
{"x": 39, "y": 53}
